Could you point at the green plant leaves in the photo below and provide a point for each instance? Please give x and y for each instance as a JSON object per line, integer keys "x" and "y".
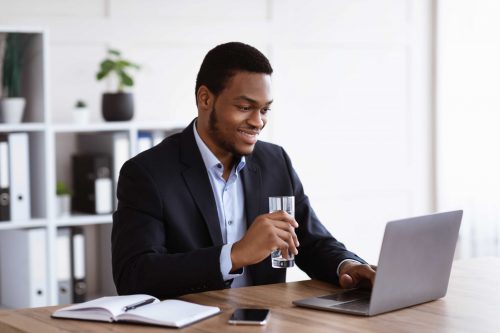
{"x": 106, "y": 66}
{"x": 12, "y": 65}
{"x": 117, "y": 65}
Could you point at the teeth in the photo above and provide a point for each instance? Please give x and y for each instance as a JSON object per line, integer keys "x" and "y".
{"x": 248, "y": 134}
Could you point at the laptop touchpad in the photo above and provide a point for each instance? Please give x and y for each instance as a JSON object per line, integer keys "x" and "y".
{"x": 347, "y": 296}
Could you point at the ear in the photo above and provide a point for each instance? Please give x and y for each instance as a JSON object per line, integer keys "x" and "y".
{"x": 205, "y": 99}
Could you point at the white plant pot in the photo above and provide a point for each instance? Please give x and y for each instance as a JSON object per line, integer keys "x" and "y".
{"x": 81, "y": 115}
{"x": 63, "y": 205}
{"x": 12, "y": 109}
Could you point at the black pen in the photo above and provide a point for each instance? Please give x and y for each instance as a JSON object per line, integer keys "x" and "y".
{"x": 138, "y": 304}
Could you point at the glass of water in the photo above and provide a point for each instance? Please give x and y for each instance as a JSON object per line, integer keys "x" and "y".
{"x": 286, "y": 204}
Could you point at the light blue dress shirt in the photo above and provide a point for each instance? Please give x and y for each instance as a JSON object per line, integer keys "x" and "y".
{"x": 230, "y": 200}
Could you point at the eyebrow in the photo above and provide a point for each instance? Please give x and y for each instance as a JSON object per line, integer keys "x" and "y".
{"x": 251, "y": 100}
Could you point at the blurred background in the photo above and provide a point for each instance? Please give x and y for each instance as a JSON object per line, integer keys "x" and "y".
{"x": 388, "y": 108}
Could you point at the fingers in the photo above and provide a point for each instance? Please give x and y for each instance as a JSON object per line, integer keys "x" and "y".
{"x": 288, "y": 242}
{"x": 283, "y": 216}
{"x": 284, "y": 226}
{"x": 346, "y": 281}
{"x": 359, "y": 275}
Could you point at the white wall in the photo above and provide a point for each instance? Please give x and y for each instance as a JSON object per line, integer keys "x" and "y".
{"x": 468, "y": 107}
{"x": 352, "y": 86}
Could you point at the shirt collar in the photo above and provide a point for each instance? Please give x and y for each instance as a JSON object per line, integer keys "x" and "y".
{"x": 209, "y": 159}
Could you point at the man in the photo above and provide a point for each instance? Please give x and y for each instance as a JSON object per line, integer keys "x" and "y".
{"x": 192, "y": 212}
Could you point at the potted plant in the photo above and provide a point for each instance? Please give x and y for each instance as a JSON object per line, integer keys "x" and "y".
{"x": 119, "y": 105}
{"x": 12, "y": 104}
{"x": 81, "y": 112}
{"x": 63, "y": 196}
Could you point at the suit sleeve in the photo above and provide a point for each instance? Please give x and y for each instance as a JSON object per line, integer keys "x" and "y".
{"x": 140, "y": 258}
{"x": 319, "y": 252}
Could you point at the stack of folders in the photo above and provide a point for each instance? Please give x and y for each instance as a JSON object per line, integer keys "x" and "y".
{"x": 15, "y": 202}
{"x": 149, "y": 139}
{"x": 143, "y": 309}
{"x": 71, "y": 270}
{"x": 23, "y": 263}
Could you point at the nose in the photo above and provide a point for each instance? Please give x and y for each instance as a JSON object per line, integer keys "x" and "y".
{"x": 256, "y": 119}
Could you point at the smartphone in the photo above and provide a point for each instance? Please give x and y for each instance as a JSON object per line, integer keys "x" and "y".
{"x": 249, "y": 317}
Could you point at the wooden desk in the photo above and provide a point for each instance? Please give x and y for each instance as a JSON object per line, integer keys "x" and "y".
{"x": 471, "y": 305}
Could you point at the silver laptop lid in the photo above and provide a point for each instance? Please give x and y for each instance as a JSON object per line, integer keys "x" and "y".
{"x": 415, "y": 261}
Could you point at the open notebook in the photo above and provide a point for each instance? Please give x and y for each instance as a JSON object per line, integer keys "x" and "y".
{"x": 139, "y": 309}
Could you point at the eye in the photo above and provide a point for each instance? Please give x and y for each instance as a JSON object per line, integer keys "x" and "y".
{"x": 265, "y": 110}
{"x": 244, "y": 107}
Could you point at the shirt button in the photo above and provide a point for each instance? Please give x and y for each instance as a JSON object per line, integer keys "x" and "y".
{"x": 230, "y": 222}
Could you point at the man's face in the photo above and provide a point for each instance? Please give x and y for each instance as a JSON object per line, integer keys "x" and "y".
{"x": 239, "y": 113}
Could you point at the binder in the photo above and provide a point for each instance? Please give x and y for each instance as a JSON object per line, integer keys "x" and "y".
{"x": 93, "y": 187}
{"x": 115, "y": 144}
{"x": 4, "y": 179}
{"x": 144, "y": 141}
{"x": 106, "y": 284}
{"x": 158, "y": 137}
{"x": 23, "y": 256}
{"x": 20, "y": 204}
{"x": 64, "y": 273}
{"x": 78, "y": 271}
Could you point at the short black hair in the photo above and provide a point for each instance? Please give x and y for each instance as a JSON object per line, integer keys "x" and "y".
{"x": 224, "y": 60}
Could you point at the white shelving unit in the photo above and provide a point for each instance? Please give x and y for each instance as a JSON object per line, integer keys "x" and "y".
{"x": 51, "y": 146}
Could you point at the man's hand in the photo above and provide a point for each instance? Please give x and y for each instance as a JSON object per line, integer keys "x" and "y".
{"x": 356, "y": 275}
{"x": 267, "y": 233}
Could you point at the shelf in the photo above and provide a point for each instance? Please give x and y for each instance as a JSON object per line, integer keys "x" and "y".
{"x": 113, "y": 126}
{"x": 83, "y": 219}
{"x": 33, "y": 223}
{"x": 22, "y": 127}
{"x": 91, "y": 127}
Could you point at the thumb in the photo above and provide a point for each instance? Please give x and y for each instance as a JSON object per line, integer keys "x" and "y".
{"x": 346, "y": 281}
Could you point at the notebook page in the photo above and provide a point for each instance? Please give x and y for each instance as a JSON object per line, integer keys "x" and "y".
{"x": 170, "y": 312}
{"x": 112, "y": 305}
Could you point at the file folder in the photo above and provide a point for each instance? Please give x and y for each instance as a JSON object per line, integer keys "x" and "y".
{"x": 64, "y": 273}
{"x": 23, "y": 263}
{"x": 78, "y": 269}
{"x": 20, "y": 202}
{"x": 4, "y": 179}
{"x": 144, "y": 141}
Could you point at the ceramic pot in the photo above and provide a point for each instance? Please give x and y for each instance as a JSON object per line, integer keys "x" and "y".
{"x": 117, "y": 106}
{"x": 12, "y": 109}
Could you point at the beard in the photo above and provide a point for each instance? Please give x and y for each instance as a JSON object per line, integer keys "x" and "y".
{"x": 218, "y": 136}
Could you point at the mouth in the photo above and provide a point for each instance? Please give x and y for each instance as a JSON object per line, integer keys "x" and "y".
{"x": 249, "y": 136}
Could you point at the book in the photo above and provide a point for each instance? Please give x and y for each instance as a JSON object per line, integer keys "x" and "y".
{"x": 139, "y": 308}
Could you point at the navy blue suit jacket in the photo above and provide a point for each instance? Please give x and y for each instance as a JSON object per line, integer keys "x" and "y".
{"x": 166, "y": 238}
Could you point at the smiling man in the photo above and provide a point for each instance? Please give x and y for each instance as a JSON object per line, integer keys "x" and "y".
{"x": 192, "y": 212}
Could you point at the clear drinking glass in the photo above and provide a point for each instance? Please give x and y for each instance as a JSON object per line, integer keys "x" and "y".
{"x": 286, "y": 204}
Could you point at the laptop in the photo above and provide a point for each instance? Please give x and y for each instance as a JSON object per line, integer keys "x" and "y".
{"x": 414, "y": 267}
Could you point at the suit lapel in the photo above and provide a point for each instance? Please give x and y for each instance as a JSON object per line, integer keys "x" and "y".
{"x": 196, "y": 178}
{"x": 252, "y": 188}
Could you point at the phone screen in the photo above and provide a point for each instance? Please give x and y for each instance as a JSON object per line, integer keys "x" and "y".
{"x": 249, "y": 316}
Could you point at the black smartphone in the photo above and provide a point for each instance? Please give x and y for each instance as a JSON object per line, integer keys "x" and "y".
{"x": 249, "y": 316}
